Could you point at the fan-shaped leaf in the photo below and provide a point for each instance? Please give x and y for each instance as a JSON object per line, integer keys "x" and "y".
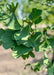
{"x": 7, "y": 39}
{"x": 20, "y": 50}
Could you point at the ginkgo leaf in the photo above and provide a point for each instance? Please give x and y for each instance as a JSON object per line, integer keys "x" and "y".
{"x": 22, "y": 34}
{"x": 35, "y": 14}
{"x": 20, "y": 50}
{"x": 7, "y": 39}
{"x": 31, "y": 41}
{"x": 12, "y": 22}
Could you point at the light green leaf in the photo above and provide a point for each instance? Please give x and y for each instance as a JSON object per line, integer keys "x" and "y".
{"x": 46, "y": 60}
{"x": 12, "y": 22}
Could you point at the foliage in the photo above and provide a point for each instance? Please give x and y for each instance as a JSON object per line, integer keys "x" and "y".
{"x": 51, "y": 70}
{"x": 23, "y": 39}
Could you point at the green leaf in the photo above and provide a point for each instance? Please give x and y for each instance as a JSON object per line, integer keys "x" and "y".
{"x": 52, "y": 27}
{"x": 27, "y": 65}
{"x": 43, "y": 46}
{"x": 37, "y": 67}
{"x": 38, "y": 20}
{"x": 12, "y": 22}
{"x": 35, "y": 14}
{"x": 20, "y": 50}
{"x": 22, "y": 40}
{"x": 51, "y": 70}
{"x": 51, "y": 42}
{"x": 26, "y": 55}
{"x": 32, "y": 54}
{"x": 16, "y": 5}
{"x": 1, "y": 32}
{"x": 22, "y": 34}
{"x": 46, "y": 60}
{"x": 12, "y": 4}
{"x": 0, "y": 42}
{"x": 34, "y": 40}
{"x": 30, "y": 0}
{"x": 7, "y": 39}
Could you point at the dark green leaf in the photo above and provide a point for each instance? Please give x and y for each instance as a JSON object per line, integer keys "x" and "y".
{"x": 35, "y": 14}
{"x": 1, "y": 32}
{"x": 7, "y": 39}
{"x": 21, "y": 50}
{"x": 32, "y": 54}
{"x": 51, "y": 42}
{"x": 27, "y": 65}
{"x": 38, "y": 20}
{"x": 0, "y": 42}
{"x": 34, "y": 40}
{"x": 22, "y": 34}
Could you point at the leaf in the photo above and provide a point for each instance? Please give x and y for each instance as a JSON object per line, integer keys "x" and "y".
{"x": 23, "y": 40}
{"x": 12, "y": 4}
{"x": 0, "y": 42}
{"x": 27, "y": 65}
{"x": 37, "y": 67}
{"x": 1, "y": 32}
{"x": 33, "y": 40}
{"x": 16, "y": 5}
{"x": 26, "y": 55}
{"x": 51, "y": 42}
{"x": 30, "y": 0}
{"x": 12, "y": 22}
{"x": 32, "y": 54}
{"x": 46, "y": 60}
{"x": 7, "y": 39}
{"x": 35, "y": 14}
{"x": 19, "y": 42}
{"x": 20, "y": 50}
{"x": 51, "y": 70}
{"x": 52, "y": 27}
{"x": 38, "y": 20}
{"x": 43, "y": 46}
{"x": 3, "y": 16}
{"x": 22, "y": 34}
